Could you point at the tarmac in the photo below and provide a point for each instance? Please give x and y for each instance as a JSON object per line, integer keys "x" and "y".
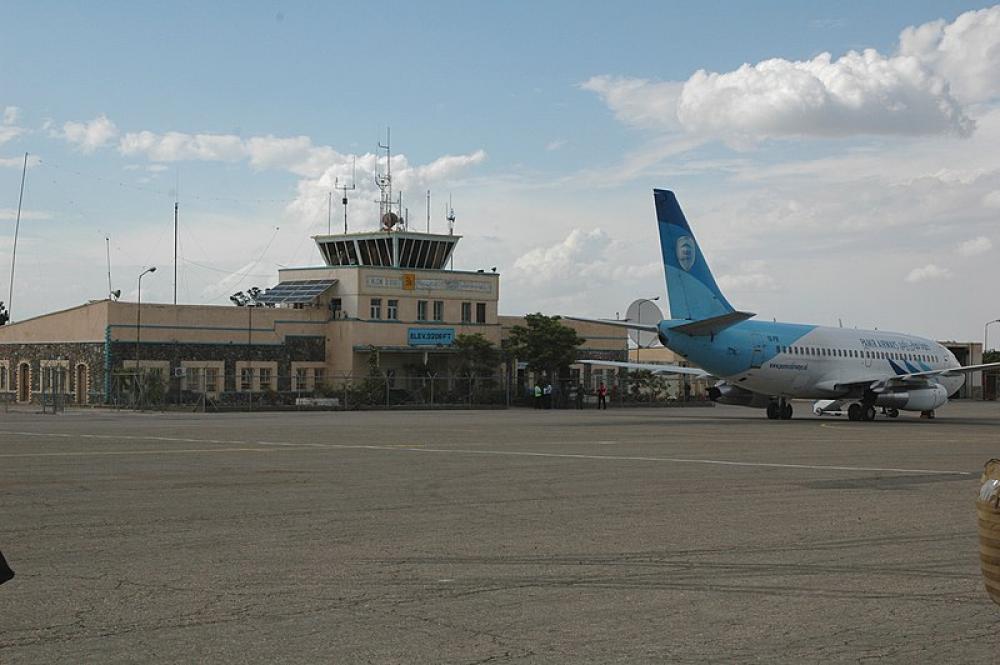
{"x": 630, "y": 535}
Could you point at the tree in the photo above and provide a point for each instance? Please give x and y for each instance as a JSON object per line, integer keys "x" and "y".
{"x": 475, "y": 355}
{"x": 991, "y": 356}
{"x": 545, "y": 344}
{"x": 4, "y": 316}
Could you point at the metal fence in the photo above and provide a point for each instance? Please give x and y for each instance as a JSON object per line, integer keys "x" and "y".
{"x": 231, "y": 391}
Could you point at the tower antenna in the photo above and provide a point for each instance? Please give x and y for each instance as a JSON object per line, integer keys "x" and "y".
{"x": 13, "y": 255}
{"x": 107, "y": 241}
{"x": 177, "y": 196}
{"x": 428, "y": 211}
{"x": 344, "y": 189}
{"x": 451, "y": 228}
{"x": 384, "y": 182}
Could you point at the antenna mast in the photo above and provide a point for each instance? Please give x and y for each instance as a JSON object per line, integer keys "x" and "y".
{"x": 451, "y": 229}
{"x": 177, "y": 196}
{"x": 13, "y": 256}
{"x": 428, "y": 211}
{"x": 344, "y": 189}
{"x": 384, "y": 182}
{"x": 107, "y": 241}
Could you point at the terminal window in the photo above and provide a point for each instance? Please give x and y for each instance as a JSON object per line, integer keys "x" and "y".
{"x": 421, "y": 310}
{"x": 211, "y": 379}
{"x": 265, "y": 378}
{"x": 246, "y": 378}
{"x": 480, "y": 312}
{"x": 392, "y": 310}
{"x": 466, "y": 312}
{"x": 376, "y": 308}
{"x": 319, "y": 377}
{"x": 439, "y": 310}
{"x": 300, "y": 378}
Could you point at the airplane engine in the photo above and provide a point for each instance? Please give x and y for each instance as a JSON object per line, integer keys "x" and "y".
{"x": 923, "y": 399}
{"x": 723, "y": 393}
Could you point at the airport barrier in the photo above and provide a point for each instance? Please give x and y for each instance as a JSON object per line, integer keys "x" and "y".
{"x": 206, "y": 389}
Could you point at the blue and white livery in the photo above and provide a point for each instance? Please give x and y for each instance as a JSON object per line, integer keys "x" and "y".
{"x": 762, "y": 364}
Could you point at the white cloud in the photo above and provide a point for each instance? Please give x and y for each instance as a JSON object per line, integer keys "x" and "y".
{"x": 37, "y": 215}
{"x": 751, "y": 276}
{"x": 89, "y": 136}
{"x": 922, "y": 89}
{"x": 11, "y": 114}
{"x": 928, "y": 272}
{"x": 7, "y": 133}
{"x": 638, "y": 102}
{"x": 555, "y": 145}
{"x": 177, "y": 146}
{"x": 965, "y": 52}
{"x": 979, "y": 245}
{"x": 859, "y": 93}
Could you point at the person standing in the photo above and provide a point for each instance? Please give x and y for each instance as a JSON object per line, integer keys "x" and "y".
{"x": 579, "y": 395}
{"x": 602, "y": 396}
{"x": 548, "y": 395}
{"x": 538, "y": 396}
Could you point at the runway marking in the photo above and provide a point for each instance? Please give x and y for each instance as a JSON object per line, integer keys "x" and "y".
{"x": 104, "y": 453}
{"x": 275, "y": 445}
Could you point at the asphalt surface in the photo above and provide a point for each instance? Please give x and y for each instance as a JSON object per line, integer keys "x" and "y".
{"x": 652, "y": 535}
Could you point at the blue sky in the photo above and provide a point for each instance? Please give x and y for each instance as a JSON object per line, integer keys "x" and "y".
{"x": 560, "y": 118}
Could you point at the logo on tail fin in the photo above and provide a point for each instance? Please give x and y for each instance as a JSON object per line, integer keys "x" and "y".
{"x": 686, "y": 252}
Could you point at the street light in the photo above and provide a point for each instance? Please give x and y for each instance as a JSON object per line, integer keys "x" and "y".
{"x": 138, "y": 314}
{"x": 986, "y": 332}
{"x": 138, "y": 320}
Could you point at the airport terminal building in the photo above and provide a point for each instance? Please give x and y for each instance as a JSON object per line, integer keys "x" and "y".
{"x": 388, "y": 294}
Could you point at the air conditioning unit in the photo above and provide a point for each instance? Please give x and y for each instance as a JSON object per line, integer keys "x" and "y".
{"x": 180, "y": 372}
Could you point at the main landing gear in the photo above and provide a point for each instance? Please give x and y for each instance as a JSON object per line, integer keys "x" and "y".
{"x": 780, "y": 410}
{"x": 860, "y": 411}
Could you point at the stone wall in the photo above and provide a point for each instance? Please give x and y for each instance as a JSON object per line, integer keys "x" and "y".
{"x": 33, "y": 356}
{"x": 295, "y": 349}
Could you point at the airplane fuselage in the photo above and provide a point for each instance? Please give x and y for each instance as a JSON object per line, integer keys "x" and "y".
{"x": 806, "y": 361}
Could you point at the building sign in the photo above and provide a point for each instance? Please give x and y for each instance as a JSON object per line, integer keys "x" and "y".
{"x": 404, "y": 283}
{"x": 430, "y": 336}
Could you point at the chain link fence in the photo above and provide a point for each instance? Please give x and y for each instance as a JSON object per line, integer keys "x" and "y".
{"x": 207, "y": 389}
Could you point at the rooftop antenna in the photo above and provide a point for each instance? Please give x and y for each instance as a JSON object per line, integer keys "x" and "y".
{"x": 13, "y": 255}
{"x": 107, "y": 241}
{"x": 428, "y": 211}
{"x": 384, "y": 181}
{"x": 344, "y": 189}
{"x": 329, "y": 211}
{"x": 177, "y": 196}
{"x": 451, "y": 229}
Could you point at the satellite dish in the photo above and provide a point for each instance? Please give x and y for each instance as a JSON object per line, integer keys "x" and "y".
{"x": 643, "y": 311}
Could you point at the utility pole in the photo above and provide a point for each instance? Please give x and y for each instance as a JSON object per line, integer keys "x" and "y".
{"x": 13, "y": 256}
{"x": 176, "y": 206}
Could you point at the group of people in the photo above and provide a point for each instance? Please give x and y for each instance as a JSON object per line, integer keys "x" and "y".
{"x": 543, "y": 396}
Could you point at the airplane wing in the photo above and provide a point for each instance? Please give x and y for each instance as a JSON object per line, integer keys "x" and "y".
{"x": 912, "y": 379}
{"x": 652, "y": 367}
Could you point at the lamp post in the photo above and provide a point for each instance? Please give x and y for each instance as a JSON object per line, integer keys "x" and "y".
{"x": 986, "y": 332}
{"x": 138, "y": 319}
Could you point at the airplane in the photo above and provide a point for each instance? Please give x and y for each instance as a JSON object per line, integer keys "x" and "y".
{"x": 764, "y": 365}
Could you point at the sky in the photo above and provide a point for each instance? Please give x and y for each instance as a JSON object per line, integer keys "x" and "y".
{"x": 837, "y": 162}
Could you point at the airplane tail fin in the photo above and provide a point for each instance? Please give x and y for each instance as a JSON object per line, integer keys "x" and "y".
{"x": 691, "y": 287}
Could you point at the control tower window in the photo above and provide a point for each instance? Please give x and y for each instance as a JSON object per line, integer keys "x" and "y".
{"x": 376, "y": 308}
{"x": 466, "y": 312}
{"x": 392, "y": 310}
{"x": 439, "y": 310}
{"x": 421, "y": 310}
{"x": 480, "y": 312}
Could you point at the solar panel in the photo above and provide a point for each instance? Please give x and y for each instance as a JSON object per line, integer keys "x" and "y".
{"x": 301, "y": 291}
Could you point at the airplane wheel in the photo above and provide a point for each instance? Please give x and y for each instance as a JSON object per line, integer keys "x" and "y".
{"x": 892, "y": 413}
{"x": 929, "y": 415}
{"x": 773, "y": 411}
{"x": 786, "y": 412}
{"x": 869, "y": 413}
{"x": 854, "y": 412}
